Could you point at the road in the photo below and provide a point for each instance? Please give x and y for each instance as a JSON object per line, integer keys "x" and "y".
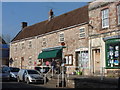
{"x": 21, "y": 85}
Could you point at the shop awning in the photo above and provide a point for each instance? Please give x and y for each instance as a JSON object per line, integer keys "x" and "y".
{"x": 57, "y": 53}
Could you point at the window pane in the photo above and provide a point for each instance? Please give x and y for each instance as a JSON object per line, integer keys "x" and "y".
{"x": 105, "y": 19}
{"x": 82, "y": 35}
{"x": 70, "y": 59}
{"x": 118, "y": 9}
{"x": 66, "y": 60}
{"x": 61, "y": 37}
{"x": 82, "y": 30}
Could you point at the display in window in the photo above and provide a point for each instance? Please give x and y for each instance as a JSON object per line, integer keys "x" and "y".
{"x": 111, "y": 57}
{"x": 116, "y": 62}
{"x": 111, "y": 63}
{"x": 111, "y": 53}
{"x": 116, "y": 47}
{"x": 116, "y": 53}
{"x": 108, "y": 62}
{"x": 111, "y": 47}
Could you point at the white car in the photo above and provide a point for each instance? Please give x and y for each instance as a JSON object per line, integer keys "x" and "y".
{"x": 13, "y": 73}
{"x": 30, "y": 76}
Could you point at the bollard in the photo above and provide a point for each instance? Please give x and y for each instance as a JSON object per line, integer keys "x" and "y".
{"x": 45, "y": 79}
{"x": 119, "y": 82}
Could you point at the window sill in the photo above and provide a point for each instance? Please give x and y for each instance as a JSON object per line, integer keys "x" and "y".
{"x": 104, "y": 28}
{"x": 68, "y": 64}
{"x": 118, "y": 25}
{"x": 112, "y": 67}
{"x": 82, "y": 38}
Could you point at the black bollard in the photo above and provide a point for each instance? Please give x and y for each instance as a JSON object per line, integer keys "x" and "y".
{"x": 119, "y": 82}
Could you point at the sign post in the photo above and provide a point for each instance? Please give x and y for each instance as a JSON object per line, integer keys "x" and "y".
{"x": 63, "y": 65}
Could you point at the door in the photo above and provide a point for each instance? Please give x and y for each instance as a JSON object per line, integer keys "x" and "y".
{"x": 96, "y": 61}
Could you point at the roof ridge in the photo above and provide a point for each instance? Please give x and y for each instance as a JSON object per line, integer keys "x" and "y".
{"x": 74, "y": 17}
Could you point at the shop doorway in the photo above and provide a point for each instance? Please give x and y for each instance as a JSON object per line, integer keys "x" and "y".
{"x": 96, "y": 61}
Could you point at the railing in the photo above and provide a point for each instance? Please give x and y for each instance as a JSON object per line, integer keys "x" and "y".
{"x": 45, "y": 75}
{"x": 58, "y": 81}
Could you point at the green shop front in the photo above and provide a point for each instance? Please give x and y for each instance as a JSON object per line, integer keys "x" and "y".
{"x": 112, "y": 53}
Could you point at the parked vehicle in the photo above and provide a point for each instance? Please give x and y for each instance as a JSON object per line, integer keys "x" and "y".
{"x": 42, "y": 69}
{"x": 13, "y": 73}
{"x": 30, "y": 76}
{"x": 4, "y": 73}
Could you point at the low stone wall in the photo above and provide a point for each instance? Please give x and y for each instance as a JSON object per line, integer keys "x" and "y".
{"x": 92, "y": 83}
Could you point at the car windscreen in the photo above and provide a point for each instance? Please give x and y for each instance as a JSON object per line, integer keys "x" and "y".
{"x": 5, "y": 69}
{"x": 32, "y": 72}
{"x": 14, "y": 69}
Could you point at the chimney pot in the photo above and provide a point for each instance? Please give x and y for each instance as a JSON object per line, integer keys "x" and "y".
{"x": 24, "y": 24}
{"x": 51, "y": 14}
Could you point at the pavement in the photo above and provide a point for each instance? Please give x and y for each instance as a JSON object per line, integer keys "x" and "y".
{"x": 73, "y": 81}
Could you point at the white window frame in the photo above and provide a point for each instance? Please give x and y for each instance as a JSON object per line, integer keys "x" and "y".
{"x": 22, "y": 45}
{"x": 15, "y": 47}
{"x": 61, "y": 37}
{"x": 83, "y": 60}
{"x": 69, "y": 59}
{"x": 118, "y": 13}
{"x": 30, "y": 44}
{"x": 44, "y": 41}
{"x": 82, "y": 32}
{"x": 105, "y": 18}
{"x": 30, "y": 60}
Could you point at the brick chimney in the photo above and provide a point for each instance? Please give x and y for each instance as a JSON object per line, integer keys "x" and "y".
{"x": 24, "y": 24}
{"x": 51, "y": 14}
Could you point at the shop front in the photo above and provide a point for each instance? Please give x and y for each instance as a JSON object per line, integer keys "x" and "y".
{"x": 82, "y": 60}
{"x": 112, "y": 50}
{"x": 49, "y": 54}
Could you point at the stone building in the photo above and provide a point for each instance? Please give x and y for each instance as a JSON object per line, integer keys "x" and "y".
{"x": 41, "y": 42}
{"x": 104, "y": 38}
{"x": 90, "y": 34}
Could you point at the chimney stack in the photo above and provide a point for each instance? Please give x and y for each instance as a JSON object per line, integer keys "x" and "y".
{"x": 24, "y": 24}
{"x": 51, "y": 14}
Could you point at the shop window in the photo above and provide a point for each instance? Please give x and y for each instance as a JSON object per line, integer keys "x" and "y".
{"x": 61, "y": 37}
{"x": 69, "y": 59}
{"x": 83, "y": 59}
{"x": 113, "y": 54}
{"x": 118, "y": 14}
{"x": 105, "y": 18}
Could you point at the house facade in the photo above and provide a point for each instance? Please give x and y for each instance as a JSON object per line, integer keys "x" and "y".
{"x": 4, "y": 52}
{"x": 104, "y": 38}
{"x": 88, "y": 38}
{"x": 35, "y": 45}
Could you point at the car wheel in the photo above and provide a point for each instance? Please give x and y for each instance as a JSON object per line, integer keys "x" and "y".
{"x": 27, "y": 80}
{"x": 18, "y": 79}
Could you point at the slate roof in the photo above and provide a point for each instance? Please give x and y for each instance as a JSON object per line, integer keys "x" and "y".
{"x": 68, "y": 19}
